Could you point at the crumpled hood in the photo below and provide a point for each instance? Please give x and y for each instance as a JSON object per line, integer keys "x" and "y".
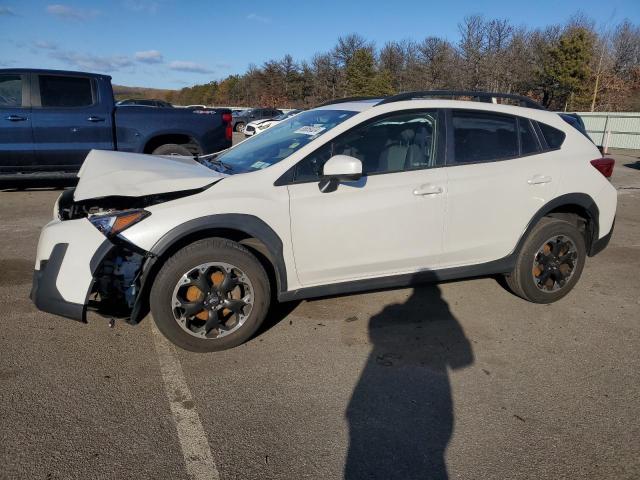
{"x": 105, "y": 173}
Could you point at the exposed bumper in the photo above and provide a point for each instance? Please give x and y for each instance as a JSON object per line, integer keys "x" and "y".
{"x": 44, "y": 293}
{"x": 68, "y": 255}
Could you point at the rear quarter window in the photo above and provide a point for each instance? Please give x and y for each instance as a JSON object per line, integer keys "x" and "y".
{"x": 552, "y": 136}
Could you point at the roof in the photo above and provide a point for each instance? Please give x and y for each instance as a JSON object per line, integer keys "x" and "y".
{"x": 487, "y": 98}
{"x": 52, "y": 72}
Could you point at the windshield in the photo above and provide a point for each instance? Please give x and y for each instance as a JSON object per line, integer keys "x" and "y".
{"x": 280, "y": 141}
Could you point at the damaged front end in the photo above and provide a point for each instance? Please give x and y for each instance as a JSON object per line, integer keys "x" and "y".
{"x": 117, "y": 267}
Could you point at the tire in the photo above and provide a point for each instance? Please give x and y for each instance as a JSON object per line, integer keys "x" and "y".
{"x": 239, "y": 127}
{"x": 163, "y": 294}
{"x": 547, "y": 233}
{"x": 172, "y": 149}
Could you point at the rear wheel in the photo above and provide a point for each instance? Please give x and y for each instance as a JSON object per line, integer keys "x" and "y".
{"x": 172, "y": 149}
{"x": 550, "y": 262}
{"x": 210, "y": 296}
{"x": 240, "y": 127}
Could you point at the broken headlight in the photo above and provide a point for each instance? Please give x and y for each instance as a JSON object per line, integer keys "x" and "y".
{"x": 114, "y": 223}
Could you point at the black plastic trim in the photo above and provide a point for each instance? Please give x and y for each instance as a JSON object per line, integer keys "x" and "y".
{"x": 485, "y": 97}
{"x": 599, "y": 245}
{"x": 249, "y": 224}
{"x": 503, "y": 265}
{"x": 45, "y": 294}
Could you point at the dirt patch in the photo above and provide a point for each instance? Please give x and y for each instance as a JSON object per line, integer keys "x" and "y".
{"x": 15, "y": 271}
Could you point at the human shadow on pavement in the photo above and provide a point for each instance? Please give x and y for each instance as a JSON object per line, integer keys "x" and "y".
{"x": 401, "y": 412}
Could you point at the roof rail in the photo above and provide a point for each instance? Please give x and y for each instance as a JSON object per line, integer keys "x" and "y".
{"x": 476, "y": 96}
{"x": 345, "y": 100}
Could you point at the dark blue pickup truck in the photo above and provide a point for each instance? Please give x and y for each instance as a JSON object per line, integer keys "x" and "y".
{"x": 51, "y": 119}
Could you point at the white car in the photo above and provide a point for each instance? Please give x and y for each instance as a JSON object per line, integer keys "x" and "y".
{"x": 350, "y": 196}
{"x": 258, "y": 126}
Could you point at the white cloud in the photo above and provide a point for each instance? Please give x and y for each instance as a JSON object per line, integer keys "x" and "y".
{"x": 70, "y": 13}
{"x": 45, "y": 45}
{"x": 149, "y": 56}
{"x": 258, "y": 18}
{"x": 149, "y": 6}
{"x": 189, "y": 67}
{"x": 97, "y": 63}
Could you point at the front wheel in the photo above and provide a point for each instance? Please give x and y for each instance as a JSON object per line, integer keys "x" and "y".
{"x": 240, "y": 127}
{"x": 550, "y": 262}
{"x": 211, "y": 295}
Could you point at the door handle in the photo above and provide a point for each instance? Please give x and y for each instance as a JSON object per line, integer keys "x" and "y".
{"x": 539, "y": 179}
{"x": 423, "y": 190}
{"x": 94, "y": 118}
{"x": 15, "y": 118}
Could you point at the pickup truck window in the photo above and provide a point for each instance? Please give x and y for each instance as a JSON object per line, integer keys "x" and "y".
{"x": 64, "y": 91}
{"x": 10, "y": 91}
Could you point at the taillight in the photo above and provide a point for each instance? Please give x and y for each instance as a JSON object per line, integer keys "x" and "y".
{"x": 604, "y": 165}
{"x": 228, "y": 131}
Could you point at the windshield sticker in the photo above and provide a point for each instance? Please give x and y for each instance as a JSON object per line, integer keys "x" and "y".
{"x": 310, "y": 130}
{"x": 260, "y": 165}
{"x": 294, "y": 145}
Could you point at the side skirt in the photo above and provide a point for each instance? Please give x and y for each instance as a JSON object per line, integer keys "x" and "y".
{"x": 503, "y": 265}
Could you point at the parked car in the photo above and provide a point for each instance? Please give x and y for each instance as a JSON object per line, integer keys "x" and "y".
{"x": 144, "y": 102}
{"x": 50, "y": 120}
{"x": 251, "y": 114}
{"x": 258, "y": 126}
{"x": 349, "y": 196}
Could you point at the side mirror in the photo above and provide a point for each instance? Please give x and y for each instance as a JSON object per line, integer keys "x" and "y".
{"x": 339, "y": 168}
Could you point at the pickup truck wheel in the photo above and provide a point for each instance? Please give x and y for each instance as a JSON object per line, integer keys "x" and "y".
{"x": 550, "y": 262}
{"x": 172, "y": 149}
{"x": 211, "y": 295}
{"x": 240, "y": 127}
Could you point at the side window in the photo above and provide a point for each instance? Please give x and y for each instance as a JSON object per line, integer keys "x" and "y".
{"x": 393, "y": 143}
{"x": 528, "y": 141}
{"x": 553, "y": 136}
{"x": 10, "y": 91}
{"x": 481, "y": 137}
{"x": 63, "y": 91}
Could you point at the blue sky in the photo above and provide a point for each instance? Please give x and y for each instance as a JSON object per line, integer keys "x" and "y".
{"x": 172, "y": 43}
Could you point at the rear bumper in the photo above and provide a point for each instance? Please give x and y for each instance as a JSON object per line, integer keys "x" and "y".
{"x": 600, "y": 244}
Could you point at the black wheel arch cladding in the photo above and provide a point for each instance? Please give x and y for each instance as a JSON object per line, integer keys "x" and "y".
{"x": 248, "y": 224}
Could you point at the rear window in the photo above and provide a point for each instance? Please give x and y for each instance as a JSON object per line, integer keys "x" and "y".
{"x": 528, "y": 141}
{"x": 63, "y": 91}
{"x": 552, "y": 136}
{"x": 481, "y": 137}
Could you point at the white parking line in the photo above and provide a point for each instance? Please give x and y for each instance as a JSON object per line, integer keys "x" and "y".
{"x": 193, "y": 440}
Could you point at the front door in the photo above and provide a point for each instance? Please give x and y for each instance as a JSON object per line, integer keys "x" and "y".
{"x": 16, "y": 138}
{"x": 388, "y": 222}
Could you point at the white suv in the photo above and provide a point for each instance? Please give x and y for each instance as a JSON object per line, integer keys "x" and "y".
{"x": 352, "y": 195}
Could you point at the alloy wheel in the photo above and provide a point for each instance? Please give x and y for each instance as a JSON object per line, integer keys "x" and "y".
{"x": 554, "y": 263}
{"x": 212, "y": 300}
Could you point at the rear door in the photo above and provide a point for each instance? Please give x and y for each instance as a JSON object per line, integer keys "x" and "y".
{"x": 69, "y": 119}
{"x": 498, "y": 178}
{"x": 16, "y": 137}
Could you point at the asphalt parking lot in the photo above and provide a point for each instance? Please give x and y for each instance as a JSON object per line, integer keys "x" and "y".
{"x": 460, "y": 379}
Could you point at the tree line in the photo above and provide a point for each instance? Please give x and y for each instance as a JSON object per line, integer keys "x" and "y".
{"x": 572, "y": 66}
